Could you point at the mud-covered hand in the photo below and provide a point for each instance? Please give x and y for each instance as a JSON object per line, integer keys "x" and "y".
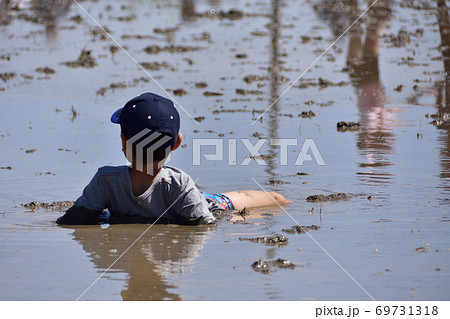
{"x": 79, "y": 216}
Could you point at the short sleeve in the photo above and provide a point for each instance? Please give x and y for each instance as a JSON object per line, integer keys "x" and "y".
{"x": 94, "y": 195}
{"x": 190, "y": 203}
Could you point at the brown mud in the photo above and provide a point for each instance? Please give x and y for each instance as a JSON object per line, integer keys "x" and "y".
{"x": 155, "y": 49}
{"x": 266, "y": 267}
{"x": 7, "y": 76}
{"x": 85, "y": 60}
{"x": 297, "y": 229}
{"x": 328, "y": 198}
{"x": 348, "y": 126}
{"x": 277, "y": 240}
{"x": 46, "y": 70}
{"x": 60, "y": 206}
{"x": 209, "y": 93}
{"x": 155, "y": 66}
{"x": 232, "y": 14}
{"x": 439, "y": 119}
{"x": 307, "y": 114}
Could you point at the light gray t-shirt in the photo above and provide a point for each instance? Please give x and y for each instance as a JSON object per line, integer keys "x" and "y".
{"x": 172, "y": 194}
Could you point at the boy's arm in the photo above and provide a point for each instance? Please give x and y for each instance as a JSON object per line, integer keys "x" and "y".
{"x": 79, "y": 216}
{"x": 88, "y": 206}
{"x": 205, "y": 220}
{"x": 191, "y": 206}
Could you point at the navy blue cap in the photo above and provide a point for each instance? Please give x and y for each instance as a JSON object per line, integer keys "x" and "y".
{"x": 148, "y": 111}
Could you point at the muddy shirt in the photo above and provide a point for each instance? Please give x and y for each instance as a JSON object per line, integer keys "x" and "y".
{"x": 172, "y": 194}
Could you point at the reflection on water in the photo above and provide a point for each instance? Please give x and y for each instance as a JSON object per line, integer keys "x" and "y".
{"x": 188, "y": 11}
{"x": 163, "y": 252}
{"x": 50, "y": 12}
{"x": 45, "y": 12}
{"x": 5, "y": 17}
{"x": 443, "y": 93}
{"x": 273, "y": 112}
{"x": 375, "y": 141}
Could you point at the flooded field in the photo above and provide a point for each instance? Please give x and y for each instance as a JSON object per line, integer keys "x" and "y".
{"x": 245, "y": 75}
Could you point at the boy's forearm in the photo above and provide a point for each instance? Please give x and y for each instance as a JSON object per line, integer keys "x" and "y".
{"x": 198, "y": 221}
{"x": 79, "y": 216}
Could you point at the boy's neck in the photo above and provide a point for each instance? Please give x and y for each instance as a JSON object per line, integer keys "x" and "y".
{"x": 141, "y": 181}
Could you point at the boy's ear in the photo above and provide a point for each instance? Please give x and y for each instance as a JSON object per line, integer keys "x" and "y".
{"x": 178, "y": 142}
{"x": 124, "y": 142}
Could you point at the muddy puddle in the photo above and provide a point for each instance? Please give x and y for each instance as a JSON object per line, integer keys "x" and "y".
{"x": 374, "y": 107}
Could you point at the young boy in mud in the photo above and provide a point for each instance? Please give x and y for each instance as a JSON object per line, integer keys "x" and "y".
{"x": 149, "y": 191}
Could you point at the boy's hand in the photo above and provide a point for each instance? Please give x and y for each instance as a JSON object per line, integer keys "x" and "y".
{"x": 79, "y": 216}
{"x": 198, "y": 221}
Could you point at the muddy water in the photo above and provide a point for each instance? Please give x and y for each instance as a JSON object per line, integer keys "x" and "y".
{"x": 387, "y": 72}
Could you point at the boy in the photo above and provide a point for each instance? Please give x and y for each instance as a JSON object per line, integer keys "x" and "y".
{"x": 148, "y": 191}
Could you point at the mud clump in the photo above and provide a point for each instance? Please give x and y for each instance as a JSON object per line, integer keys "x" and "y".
{"x": 248, "y": 92}
{"x": 137, "y": 36}
{"x": 201, "y": 85}
{"x": 299, "y": 174}
{"x": 45, "y": 70}
{"x": 6, "y": 167}
{"x": 77, "y": 19}
{"x": 422, "y": 250}
{"x": 155, "y": 66}
{"x": 259, "y": 33}
{"x": 199, "y": 118}
{"x": 207, "y": 93}
{"x": 85, "y": 60}
{"x": 399, "y": 88}
{"x": 328, "y": 198}
{"x": 258, "y": 78}
{"x": 306, "y": 38}
{"x": 179, "y": 92}
{"x": 112, "y": 86}
{"x": 277, "y": 240}
{"x": 439, "y": 118}
{"x": 241, "y": 56}
{"x": 253, "y": 78}
{"x": 283, "y": 263}
{"x": 7, "y": 76}
{"x": 232, "y": 14}
{"x": 57, "y": 206}
{"x": 348, "y": 126}
{"x": 297, "y": 229}
{"x": 165, "y": 31}
{"x": 265, "y": 157}
{"x": 402, "y": 38}
{"x": 321, "y": 83}
{"x": 262, "y": 266}
{"x": 266, "y": 267}
{"x": 307, "y": 114}
{"x": 155, "y": 49}
{"x": 204, "y": 36}
{"x": 274, "y": 181}
{"x": 125, "y": 18}
{"x": 122, "y": 85}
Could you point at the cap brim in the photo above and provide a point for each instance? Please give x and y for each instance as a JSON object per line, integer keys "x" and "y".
{"x": 115, "y": 118}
